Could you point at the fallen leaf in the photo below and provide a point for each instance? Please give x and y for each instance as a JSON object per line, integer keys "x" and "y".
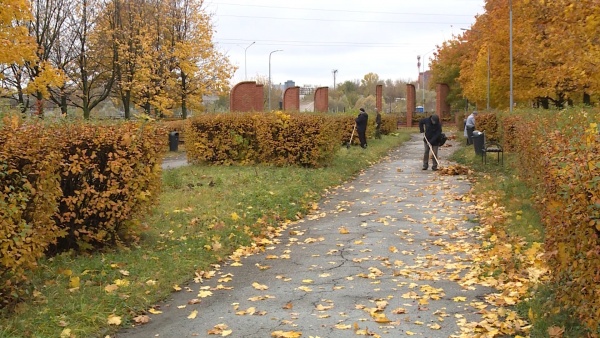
{"x": 556, "y": 332}
{"x": 114, "y": 320}
{"x": 286, "y": 334}
{"x": 74, "y": 282}
{"x": 204, "y": 294}
{"x": 111, "y": 288}
{"x": 141, "y": 319}
{"x": 193, "y": 314}
{"x": 66, "y": 333}
{"x": 258, "y": 286}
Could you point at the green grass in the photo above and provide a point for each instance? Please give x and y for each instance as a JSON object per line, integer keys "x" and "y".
{"x": 204, "y": 213}
{"x": 525, "y": 222}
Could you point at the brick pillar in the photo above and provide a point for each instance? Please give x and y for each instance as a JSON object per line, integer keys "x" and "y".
{"x": 259, "y": 98}
{"x": 242, "y": 98}
{"x": 379, "y": 97}
{"x": 441, "y": 106}
{"x": 291, "y": 99}
{"x": 411, "y": 103}
{"x": 322, "y": 99}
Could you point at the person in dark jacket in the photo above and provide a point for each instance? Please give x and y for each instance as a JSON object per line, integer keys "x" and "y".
{"x": 378, "y": 124}
{"x": 432, "y": 128}
{"x": 361, "y": 127}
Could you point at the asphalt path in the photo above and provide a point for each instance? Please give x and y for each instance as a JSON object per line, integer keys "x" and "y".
{"x": 382, "y": 255}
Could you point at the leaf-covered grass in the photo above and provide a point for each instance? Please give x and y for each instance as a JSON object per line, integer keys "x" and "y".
{"x": 204, "y": 214}
{"x": 523, "y": 222}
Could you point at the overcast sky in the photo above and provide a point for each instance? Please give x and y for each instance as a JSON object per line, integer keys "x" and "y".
{"x": 355, "y": 37}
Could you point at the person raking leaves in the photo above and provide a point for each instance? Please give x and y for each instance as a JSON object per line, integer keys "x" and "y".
{"x": 432, "y": 129}
{"x": 361, "y": 127}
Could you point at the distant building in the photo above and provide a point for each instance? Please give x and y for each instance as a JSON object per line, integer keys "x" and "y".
{"x": 424, "y": 78}
{"x": 289, "y": 84}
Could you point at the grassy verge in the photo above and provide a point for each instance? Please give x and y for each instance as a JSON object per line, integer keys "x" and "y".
{"x": 203, "y": 215}
{"x": 523, "y": 224}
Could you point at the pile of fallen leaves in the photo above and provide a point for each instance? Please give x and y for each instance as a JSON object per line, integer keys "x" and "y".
{"x": 507, "y": 264}
{"x": 455, "y": 169}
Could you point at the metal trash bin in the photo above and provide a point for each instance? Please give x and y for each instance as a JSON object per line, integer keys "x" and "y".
{"x": 478, "y": 142}
{"x": 173, "y": 141}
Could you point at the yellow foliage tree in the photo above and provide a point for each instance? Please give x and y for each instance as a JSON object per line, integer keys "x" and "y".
{"x": 199, "y": 68}
{"x": 555, "y": 51}
{"x": 17, "y": 46}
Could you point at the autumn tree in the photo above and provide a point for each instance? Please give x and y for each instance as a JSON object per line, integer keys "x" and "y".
{"x": 446, "y": 68}
{"x": 164, "y": 55}
{"x": 91, "y": 67}
{"x": 350, "y": 92}
{"x": 555, "y": 51}
{"x": 48, "y": 22}
{"x": 18, "y": 47}
{"x": 198, "y": 68}
{"x": 368, "y": 84}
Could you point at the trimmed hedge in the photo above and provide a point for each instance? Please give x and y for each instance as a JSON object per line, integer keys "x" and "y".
{"x": 70, "y": 186}
{"x": 308, "y": 140}
{"x": 558, "y": 155}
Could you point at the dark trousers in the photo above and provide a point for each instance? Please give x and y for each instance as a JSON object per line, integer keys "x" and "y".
{"x": 470, "y": 135}
{"x": 434, "y": 163}
{"x": 362, "y": 136}
{"x": 378, "y": 132}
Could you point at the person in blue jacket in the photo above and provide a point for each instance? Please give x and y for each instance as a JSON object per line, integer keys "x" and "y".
{"x": 432, "y": 128}
{"x": 361, "y": 127}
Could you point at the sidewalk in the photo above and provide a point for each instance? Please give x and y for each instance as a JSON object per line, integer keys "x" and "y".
{"x": 380, "y": 257}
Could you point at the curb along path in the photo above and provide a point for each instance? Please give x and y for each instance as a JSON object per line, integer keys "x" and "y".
{"x": 381, "y": 256}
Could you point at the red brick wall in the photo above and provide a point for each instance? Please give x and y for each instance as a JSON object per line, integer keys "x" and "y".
{"x": 441, "y": 106}
{"x": 379, "y": 97}
{"x": 322, "y": 99}
{"x": 291, "y": 99}
{"x": 259, "y": 98}
{"x": 411, "y": 103}
{"x": 246, "y": 96}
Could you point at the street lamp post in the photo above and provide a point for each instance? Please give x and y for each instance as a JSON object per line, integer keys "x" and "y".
{"x": 277, "y": 50}
{"x": 423, "y": 75}
{"x": 245, "y": 64}
{"x": 334, "y": 95}
{"x": 510, "y": 20}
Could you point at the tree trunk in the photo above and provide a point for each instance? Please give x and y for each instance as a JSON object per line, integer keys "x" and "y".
{"x": 126, "y": 99}
{"x": 63, "y": 104}
{"x": 183, "y": 95}
{"x": 587, "y": 99}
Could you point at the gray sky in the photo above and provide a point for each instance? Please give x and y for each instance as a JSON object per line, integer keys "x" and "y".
{"x": 355, "y": 37}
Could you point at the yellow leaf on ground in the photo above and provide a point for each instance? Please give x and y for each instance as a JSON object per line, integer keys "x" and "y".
{"x": 435, "y": 326}
{"x": 74, "y": 282}
{"x": 286, "y": 334}
{"x": 114, "y": 320}
{"x": 193, "y": 314}
{"x": 259, "y": 286}
{"x": 154, "y": 311}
